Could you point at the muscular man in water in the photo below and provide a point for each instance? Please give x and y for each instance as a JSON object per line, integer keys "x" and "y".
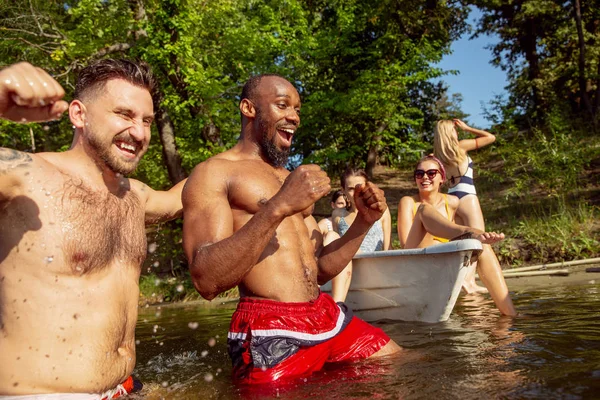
{"x": 72, "y": 233}
{"x": 247, "y": 222}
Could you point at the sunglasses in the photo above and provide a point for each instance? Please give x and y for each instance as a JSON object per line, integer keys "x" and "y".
{"x": 431, "y": 173}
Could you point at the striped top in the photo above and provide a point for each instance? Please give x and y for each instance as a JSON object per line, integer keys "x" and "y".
{"x": 465, "y": 185}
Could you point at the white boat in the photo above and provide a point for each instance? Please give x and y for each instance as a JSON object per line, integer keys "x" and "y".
{"x": 409, "y": 285}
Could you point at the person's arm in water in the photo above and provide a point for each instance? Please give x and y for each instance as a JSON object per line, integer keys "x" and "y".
{"x": 219, "y": 258}
{"x": 405, "y": 218}
{"x": 483, "y": 138}
{"x": 27, "y": 94}
{"x": 333, "y": 258}
{"x": 161, "y": 205}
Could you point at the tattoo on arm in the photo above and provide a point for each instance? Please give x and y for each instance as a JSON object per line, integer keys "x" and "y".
{"x": 10, "y": 159}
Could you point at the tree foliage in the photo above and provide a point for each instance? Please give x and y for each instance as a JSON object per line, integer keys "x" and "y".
{"x": 364, "y": 72}
{"x": 551, "y": 52}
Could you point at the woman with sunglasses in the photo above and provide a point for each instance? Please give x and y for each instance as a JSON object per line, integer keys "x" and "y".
{"x": 454, "y": 154}
{"x": 378, "y": 238}
{"x": 429, "y": 218}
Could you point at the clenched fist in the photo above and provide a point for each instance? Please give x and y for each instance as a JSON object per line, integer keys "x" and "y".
{"x": 370, "y": 202}
{"x": 29, "y": 94}
{"x": 301, "y": 189}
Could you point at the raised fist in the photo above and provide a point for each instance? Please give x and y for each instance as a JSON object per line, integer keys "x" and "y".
{"x": 29, "y": 94}
{"x": 370, "y": 202}
{"x": 301, "y": 189}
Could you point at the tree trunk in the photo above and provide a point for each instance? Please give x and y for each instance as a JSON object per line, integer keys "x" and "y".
{"x": 170, "y": 154}
{"x": 581, "y": 63}
{"x": 373, "y": 153}
{"x": 528, "y": 42}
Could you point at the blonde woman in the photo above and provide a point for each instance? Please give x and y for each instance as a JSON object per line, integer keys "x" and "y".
{"x": 454, "y": 155}
{"x": 429, "y": 218}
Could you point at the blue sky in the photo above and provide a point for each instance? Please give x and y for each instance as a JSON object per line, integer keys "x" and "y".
{"x": 478, "y": 81}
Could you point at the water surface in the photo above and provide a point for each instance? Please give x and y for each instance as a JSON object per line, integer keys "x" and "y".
{"x": 551, "y": 351}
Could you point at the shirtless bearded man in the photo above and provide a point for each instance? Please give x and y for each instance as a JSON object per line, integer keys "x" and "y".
{"x": 247, "y": 222}
{"x": 72, "y": 233}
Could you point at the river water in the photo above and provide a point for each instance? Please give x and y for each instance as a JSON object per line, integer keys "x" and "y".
{"x": 551, "y": 351}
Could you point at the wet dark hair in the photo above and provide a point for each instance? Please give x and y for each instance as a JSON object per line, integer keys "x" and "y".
{"x": 94, "y": 76}
{"x": 249, "y": 90}
{"x": 352, "y": 172}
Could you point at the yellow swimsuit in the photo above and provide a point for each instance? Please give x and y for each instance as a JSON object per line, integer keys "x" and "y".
{"x": 439, "y": 239}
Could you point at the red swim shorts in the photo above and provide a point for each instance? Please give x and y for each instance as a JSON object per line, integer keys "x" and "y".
{"x": 270, "y": 340}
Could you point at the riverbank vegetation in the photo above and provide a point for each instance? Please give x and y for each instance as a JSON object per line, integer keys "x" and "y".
{"x": 371, "y": 92}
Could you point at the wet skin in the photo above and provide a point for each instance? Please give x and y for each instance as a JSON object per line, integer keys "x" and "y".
{"x": 73, "y": 240}
{"x": 248, "y": 222}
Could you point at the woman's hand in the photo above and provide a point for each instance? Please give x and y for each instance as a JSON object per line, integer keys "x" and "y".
{"x": 460, "y": 124}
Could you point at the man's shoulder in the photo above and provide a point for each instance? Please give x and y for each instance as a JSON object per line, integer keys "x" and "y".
{"x": 10, "y": 158}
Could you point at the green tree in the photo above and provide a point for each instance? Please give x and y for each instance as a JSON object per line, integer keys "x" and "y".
{"x": 368, "y": 73}
{"x": 550, "y": 50}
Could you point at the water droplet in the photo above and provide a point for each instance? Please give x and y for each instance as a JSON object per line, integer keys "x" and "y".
{"x": 30, "y": 83}
{"x": 179, "y": 288}
{"x": 161, "y": 343}
{"x": 204, "y": 353}
{"x": 8, "y": 81}
{"x": 152, "y": 247}
{"x": 264, "y": 368}
{"x": 137, "y": 342}
{"x": 193, "y": 325}
{"x": 208, "y": 377}
{"x": 23, "y": 119}
{"x": 156, "y": 282}
{"x": 49, "y": 259}
{"x": 44, "y": 84}
{"x": 156, "y": 264}
{"x": 212, "y": 342}
{"x": 155, "y": 328}
{"x": 164, "y": 384}
{"x": 46, "y": 128}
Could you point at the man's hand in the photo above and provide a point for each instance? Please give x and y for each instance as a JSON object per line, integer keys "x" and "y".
{"x": 370, "y": 202}
{"x": 29, "y": 94}
{"x": 301, "y": 189}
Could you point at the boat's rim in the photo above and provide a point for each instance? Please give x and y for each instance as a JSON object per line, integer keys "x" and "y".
{"x": 450, "y": 247}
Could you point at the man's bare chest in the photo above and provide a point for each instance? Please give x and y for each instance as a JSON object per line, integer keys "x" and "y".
{"x": 86, "y": 229}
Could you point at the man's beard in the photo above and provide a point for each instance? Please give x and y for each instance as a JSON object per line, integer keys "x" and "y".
{"x": 275, "y": 156}
{"x": 112, "y": 161}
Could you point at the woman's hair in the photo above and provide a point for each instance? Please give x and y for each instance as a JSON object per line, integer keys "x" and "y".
{"x": 336, "y": 195}
{"x": 445, "y": 144}
{"x": 352, "y": 172}
{"x": 436, "y": 160}
{"x": 340, "y": 193}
